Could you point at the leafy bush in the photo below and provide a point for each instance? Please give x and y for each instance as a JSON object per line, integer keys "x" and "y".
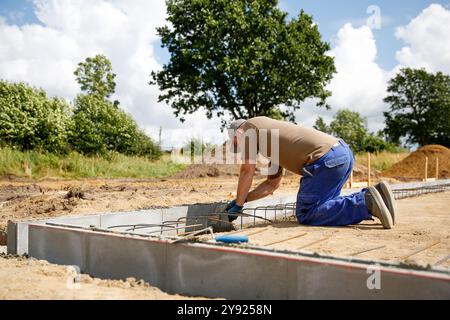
{"x": 31, "y": 120}
{"x": 100, "y": 126}
{"x": 351, "y": 127}
{"x": 376, "y": 143}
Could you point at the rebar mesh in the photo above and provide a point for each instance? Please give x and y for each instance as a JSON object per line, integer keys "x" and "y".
{"x": 416, "y": 191}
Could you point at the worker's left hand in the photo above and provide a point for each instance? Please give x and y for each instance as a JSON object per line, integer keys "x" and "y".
{"x": 230, "y": 205}
{"x": 234, "y": 210}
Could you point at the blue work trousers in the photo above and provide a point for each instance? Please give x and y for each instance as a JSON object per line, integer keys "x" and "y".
{"x": 319, "y": 202}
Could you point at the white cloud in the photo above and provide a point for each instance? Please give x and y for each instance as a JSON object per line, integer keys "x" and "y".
{"x": 359, "y": 84}
{"x": 427, "y": 40}
{"x": 46, "y": 55}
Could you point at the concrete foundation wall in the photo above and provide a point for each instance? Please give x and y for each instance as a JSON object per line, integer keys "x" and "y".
{"x": 228, "y": 272}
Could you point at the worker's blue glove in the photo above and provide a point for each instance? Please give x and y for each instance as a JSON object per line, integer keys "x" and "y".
{"x": 230, "y": 205}
{"x": 234, "y": 210}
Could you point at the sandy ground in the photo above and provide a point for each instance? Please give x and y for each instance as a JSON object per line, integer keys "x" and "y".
{"x": 22, "y": 278}
{"x": 422, "y": 221}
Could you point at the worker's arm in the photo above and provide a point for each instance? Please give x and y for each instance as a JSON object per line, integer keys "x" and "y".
{"x": 267, "y": 187}
{"x": 245, "y": 182}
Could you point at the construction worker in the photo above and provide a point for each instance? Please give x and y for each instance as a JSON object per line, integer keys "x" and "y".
{"x": 323, "y": 161}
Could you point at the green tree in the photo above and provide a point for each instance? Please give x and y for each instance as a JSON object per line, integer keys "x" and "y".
{"x": 376, "y": 143}
{"x": 419, "y": 107}
{"x": 241, "y": 58}
{"x": 322, "y": 126}
{"x": 100, "y": 126}
{"x": 31, "y": 120}
{"x": 351, "y": 127}
{"x": 95, "y": 76}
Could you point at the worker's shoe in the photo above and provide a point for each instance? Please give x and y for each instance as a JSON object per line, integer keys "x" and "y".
{"x": 377, "y": 208}
{"x": 388, "y": 197}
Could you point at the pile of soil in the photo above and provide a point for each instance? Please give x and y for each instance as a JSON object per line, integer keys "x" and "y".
{"x": 413, "y": 166}
{"x": 199, "y": 171}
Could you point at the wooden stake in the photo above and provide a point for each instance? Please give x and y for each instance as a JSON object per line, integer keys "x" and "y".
{"x": 219, "y": 220}
{"x": 420, "y": 250}
{"x": 437, "y": 168}
{"x": 367, "y": 250}
{"x": 368, "y": 169}
{"x": 279, "y": 241}
{"x": 314, "y": 242}
{"x": 351, "y": 179}
{"x": 256, "y": 232}
{"x": 203, "y": 152}
{"x": 426, "y": 168}
{"x": 250, "y": 234}
{"x": 443, "y": 260}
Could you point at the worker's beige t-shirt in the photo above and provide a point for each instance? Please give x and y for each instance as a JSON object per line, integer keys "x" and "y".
{"x": 297, "y": 146}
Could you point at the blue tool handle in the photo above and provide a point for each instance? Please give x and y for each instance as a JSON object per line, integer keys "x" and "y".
{"x": 232, "y": 239}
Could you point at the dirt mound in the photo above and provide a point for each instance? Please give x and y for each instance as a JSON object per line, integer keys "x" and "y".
{"x": 208, "y": 170}
{"x": 413, "y": 166}
{"x": 199, "y": 171}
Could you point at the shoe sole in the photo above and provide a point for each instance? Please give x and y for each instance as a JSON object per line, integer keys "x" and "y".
{"x": 385, "y": 216}
{"x": 388, "y": 198}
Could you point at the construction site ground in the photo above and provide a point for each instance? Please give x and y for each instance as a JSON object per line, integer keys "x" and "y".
{"x": 421, "y": 222}
{"x": 420, "y": 237}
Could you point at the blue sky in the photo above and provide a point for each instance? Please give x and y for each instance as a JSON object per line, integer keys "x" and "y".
{"x": 330, "y": 15}
{"x": 18, "y": 11}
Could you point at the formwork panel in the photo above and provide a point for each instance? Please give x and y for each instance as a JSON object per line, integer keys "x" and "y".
{"x": 12, "y": 240}
{"x": 60, "y": 246}
{"x": 212, "y": 272}
{"x": 117, "y": 257}
{"x": 331, "y": 280}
